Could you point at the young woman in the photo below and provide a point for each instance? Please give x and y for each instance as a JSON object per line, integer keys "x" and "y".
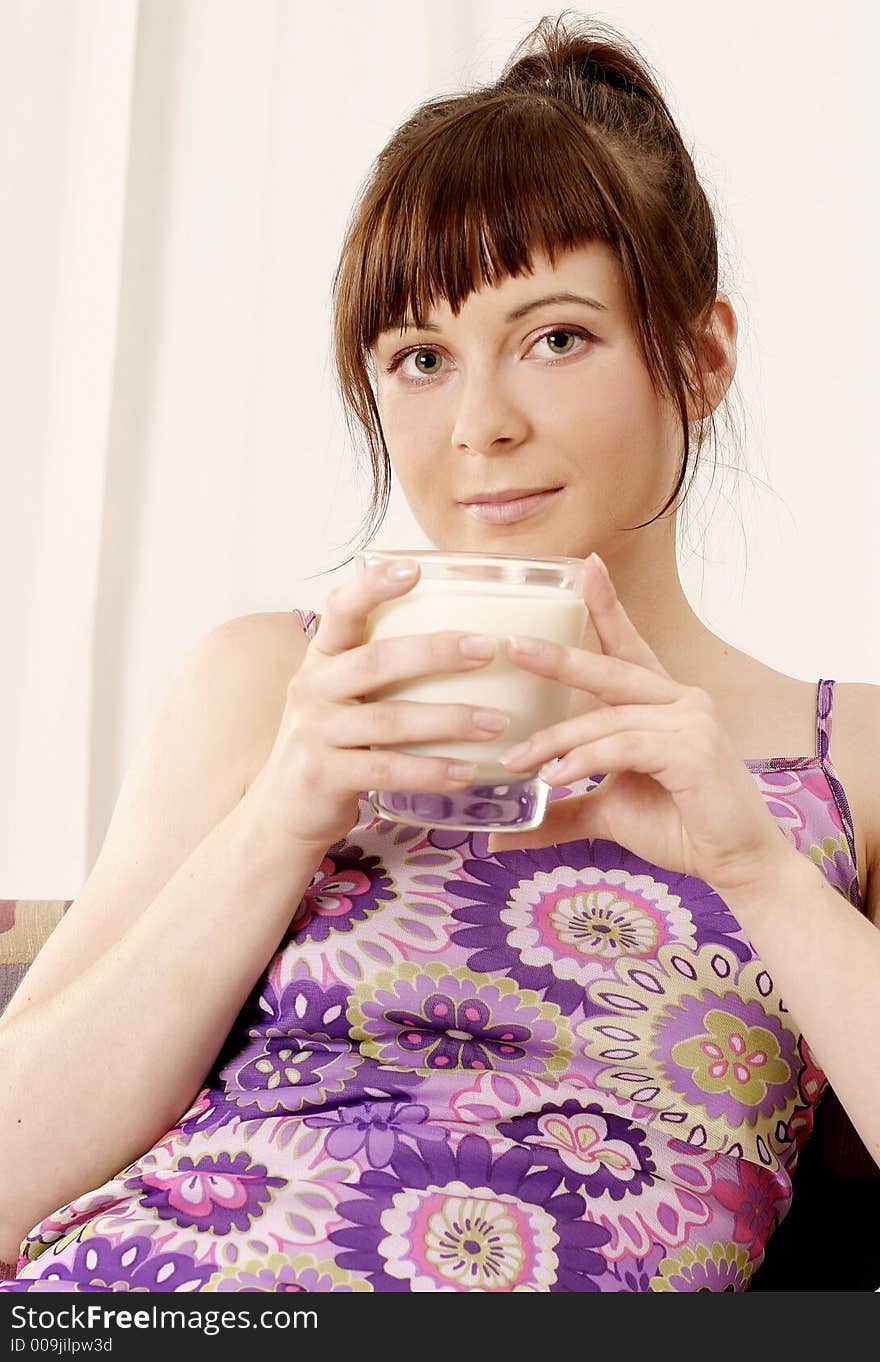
{"x": 279, "y": 1043}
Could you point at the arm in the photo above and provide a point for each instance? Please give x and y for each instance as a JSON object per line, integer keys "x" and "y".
{"x": 824, "y": 958}
{"x": 115, "y": 1025}
{"x": 98, "y": 1072}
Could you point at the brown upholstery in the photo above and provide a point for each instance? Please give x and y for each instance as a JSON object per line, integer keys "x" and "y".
{"x": 827, "y": 1242}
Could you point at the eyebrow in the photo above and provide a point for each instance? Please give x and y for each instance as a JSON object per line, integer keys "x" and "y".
{"x": 519, "y": 312}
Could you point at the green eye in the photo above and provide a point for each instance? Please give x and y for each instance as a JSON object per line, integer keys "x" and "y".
{"x": 420, "y": 352}
{"x": 552, "y": 335}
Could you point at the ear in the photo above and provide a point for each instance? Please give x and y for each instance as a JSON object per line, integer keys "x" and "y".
{"x": 717, "y": 356}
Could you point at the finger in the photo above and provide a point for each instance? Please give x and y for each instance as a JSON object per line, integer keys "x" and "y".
{"x": 393, "y": 722}
{"x": 356, "y": 769}
{"x": 661, "y": 753}
{"x": 344, "y": 620}
{"x": 609, "y": 678}
{"x": 603, "y": 722}
{"x": 364, "y": 670}
{"x": 615, "y": 630}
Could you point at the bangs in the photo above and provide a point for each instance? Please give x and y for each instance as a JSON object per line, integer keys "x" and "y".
{"x": 473, "y": 201}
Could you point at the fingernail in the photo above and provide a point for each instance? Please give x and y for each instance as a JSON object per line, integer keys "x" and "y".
{"x": 594, "y": 558}
{"x": 525, "y": 645}
{"x": 515, "y": 754}
{"x": 477, "y": 645}
{"x": 399, "y": 571}
{"x": 550, "y": 768}
{"x": 492, "y": 720}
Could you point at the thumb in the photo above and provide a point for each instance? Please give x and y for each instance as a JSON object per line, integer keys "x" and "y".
{"x": 566, "y": 820}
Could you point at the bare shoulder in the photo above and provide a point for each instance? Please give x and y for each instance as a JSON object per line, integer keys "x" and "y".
{"x": 213, "y": 727}
{"x": 855, "y": 755}
{"x": 272, "y": 638}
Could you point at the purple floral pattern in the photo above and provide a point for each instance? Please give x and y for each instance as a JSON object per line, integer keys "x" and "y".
{"x": 279, "y": 1272}
{"x": 131, "y": 1265}
{"x": 209, "y": 1193}
{"x": 438, "y": 1018}
{"x": 757, "y": 1210}
{"x": 465, "y": 1221}
{"x": 715, "y": 1267}
{"x": 375, "y": 1128}
{"x": 663, "y": 1040}
{"x": 344, "y": 889}
{"x": 591, "y": 1151}
{"x": 558, "y": 920}
{"x": 351, "y": 887}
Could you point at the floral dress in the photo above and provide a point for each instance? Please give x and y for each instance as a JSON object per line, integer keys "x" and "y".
{"x": 558, "y": 1069}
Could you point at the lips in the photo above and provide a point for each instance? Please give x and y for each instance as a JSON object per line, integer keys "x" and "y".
{"x": 511, "y": 494}
{"x": 506, "y": 512}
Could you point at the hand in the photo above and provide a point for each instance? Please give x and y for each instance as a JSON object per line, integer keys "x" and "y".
{"x": 675, "y": 791}
{"x": 308, "y": 789}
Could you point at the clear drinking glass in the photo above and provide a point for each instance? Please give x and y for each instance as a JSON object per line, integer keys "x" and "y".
{"x": 499, "y": 595}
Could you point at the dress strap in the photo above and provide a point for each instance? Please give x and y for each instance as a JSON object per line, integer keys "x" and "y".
{"x": 824, "y": 702}
{"x": 825, "y": 697}
{"x": 309, "y": 622}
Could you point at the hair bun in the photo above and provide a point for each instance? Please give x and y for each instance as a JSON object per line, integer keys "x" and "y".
{"x": 595, "y": 73}
{"x": 569, "y": 59}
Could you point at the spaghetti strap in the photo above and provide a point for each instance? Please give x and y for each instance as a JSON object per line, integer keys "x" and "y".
{"x": 308, "y": 621}
{"x": 824, "y": 702}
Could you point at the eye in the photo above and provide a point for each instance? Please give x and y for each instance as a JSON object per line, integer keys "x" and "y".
{"x": 417, "y": 354}
{"x": 557, "y": 335}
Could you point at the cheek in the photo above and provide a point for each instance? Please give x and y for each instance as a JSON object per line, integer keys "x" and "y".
{"x": 413, "y": 434}
{"x": 414, "y": 475}
{"x": 619, "y": 422}
{"x": 401, "y": 413}
{"x": 409, "y": 427}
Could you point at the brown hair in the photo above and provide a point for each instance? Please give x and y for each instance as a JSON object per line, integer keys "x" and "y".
{"x": 573, "y": 143}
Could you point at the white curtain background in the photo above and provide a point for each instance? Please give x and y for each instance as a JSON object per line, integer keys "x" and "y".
{"x": 175, "y": 180}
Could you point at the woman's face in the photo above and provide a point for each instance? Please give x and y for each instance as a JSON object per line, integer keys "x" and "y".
{"x": 557, "y": 397}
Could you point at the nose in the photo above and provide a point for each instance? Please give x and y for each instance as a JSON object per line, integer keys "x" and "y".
{"x": 487, "y": 417}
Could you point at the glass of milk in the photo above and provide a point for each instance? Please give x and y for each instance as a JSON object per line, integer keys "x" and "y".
{"x": 499, "y": 595}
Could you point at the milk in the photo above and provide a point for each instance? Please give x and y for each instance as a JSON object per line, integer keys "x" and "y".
{"x": 483, "y": 607}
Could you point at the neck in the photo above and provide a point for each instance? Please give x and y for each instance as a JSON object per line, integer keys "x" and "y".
{"x": 645, "y": 576}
